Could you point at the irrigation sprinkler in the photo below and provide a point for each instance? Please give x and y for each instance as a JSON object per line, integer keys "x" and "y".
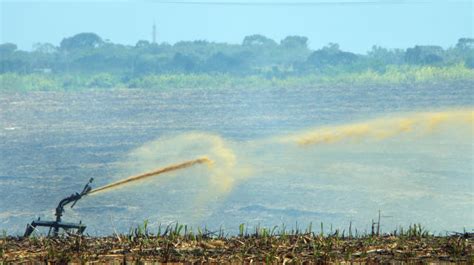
{"x": 79, "y": 227}
{"x": 59, "y": 224}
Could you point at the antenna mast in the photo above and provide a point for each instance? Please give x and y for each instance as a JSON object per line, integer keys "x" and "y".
{"x": 154, "y": 33}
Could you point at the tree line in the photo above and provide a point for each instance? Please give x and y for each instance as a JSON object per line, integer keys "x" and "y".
{"x": 257, "y": 55}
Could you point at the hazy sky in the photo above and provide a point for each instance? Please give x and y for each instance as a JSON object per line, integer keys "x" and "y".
{"x": 355, "y": 27}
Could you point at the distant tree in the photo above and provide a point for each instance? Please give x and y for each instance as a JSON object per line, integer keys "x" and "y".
{"x": 469, "y": 62}
{"x": 190, "y": 46}
{"x": 295, "y": 42}
{"x": 82, "y": 41}
{"x": 258, "y": 40}
{"x": 199, "y": 48}
{"x": 12, "y": 60}
{"x": 150, "y": 63}
{"x": 89, "y": 54}
{"x": 465, "y": 44}
{"x": 330, "y": 55}
{"x": 464, "y": 51}
{"x": 244, "y": 56}
{"x": 220, "y": 62}
{"x": 332, "y": 48}
{"x": 142, "y": 43}
{"x": 7, "y": 48}
{"x": 183, "y": 62}
{"x": 424, "y": 55}
{"x": 378, "y": 58}
{"x": 44, "y": 48}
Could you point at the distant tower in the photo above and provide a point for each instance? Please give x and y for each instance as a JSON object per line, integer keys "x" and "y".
{"x": 154, "y": 33}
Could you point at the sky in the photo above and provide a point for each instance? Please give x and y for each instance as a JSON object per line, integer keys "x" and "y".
{"x": 356, "y": 27}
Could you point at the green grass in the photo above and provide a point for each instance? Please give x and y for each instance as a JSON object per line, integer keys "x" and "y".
{"x": 393, "y": 76}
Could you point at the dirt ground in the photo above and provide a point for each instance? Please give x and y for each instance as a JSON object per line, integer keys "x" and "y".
{"x": 303, "y": 248}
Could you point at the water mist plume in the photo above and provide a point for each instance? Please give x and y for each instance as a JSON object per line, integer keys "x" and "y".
{"x": 277, "y": 162}
{"x": 380, "y": 129}
{"x": 183, "y": 165}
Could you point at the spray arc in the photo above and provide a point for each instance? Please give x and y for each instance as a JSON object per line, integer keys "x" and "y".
{"x": 78, "y": 228}
{"x": 153, "y": 173}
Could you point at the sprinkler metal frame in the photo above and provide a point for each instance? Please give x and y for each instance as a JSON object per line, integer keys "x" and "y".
{"x": 59, "y": 224}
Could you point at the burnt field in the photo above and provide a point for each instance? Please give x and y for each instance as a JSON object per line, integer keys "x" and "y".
{"x": 177, "y": 244}
{"x": 53, "y": 142}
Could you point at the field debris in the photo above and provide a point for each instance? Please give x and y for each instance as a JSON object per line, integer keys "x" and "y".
{"x": 178, "y": 244}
